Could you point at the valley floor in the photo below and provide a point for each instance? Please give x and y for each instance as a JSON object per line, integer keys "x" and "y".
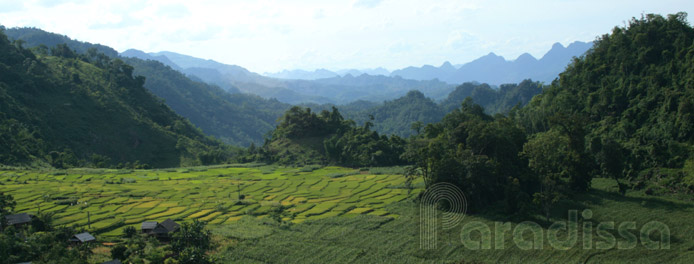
{"x": 268, "y": 214}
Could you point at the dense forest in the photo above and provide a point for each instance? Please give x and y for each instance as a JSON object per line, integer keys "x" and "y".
{"x": 403, "y": 116}
{"x": 234, "y": 118}
{"x": 622, "y": 111}
{"x": 632, "y": 97}
{"x": 304, "y": 137}
{"x": 56, "y": 104}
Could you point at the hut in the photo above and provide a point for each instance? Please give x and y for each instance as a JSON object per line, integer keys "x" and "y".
{"x": 148, "y": 226}
{"x": 19, "y": 220}
{"x": 82, "y": 238}
{"x": 160, "y": 230}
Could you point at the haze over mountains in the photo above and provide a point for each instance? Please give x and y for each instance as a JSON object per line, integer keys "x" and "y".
{"x": 333, "y": 90}
{"x": 324, "y": 73}
{"x": 376, "y": 85}
{"x": 221, "y": 99}
{"x": 491, "y": 69}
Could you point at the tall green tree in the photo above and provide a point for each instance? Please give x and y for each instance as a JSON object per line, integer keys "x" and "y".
{"x": 547, "y": 154}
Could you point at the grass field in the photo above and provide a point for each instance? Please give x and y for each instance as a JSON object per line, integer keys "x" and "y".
{"x": 336, "y": 215}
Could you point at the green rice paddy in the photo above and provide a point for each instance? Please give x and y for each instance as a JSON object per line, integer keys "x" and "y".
{"x": 219, "y": 195}
{"x": 331, "y": 214}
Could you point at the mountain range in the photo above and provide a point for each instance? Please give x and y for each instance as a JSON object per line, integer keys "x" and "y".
{"x": 222, "y": 100}
{"x": 339, "y": 89}
{"x": 324, "y": 73}
{"x": 234, "y": 117}
{"x": 496, "y": 70}
{"x": 66, "y": 109}
{"x": 491, "y": 68}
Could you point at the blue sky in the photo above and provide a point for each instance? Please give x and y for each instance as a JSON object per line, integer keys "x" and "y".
{"x": 269, "y": 35}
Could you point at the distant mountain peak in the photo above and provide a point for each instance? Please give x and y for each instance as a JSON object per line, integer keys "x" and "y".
{"x": 496, "y": 70}
{"x": 134, "y": 51}
{"x": 447, "y": 66}
{"x": 491, "y": 57}
{"x": 525, "y": 57}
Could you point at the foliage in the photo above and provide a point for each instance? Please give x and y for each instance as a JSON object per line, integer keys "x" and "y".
{"x": 494, "y": 101}
{"x": 191, "y": 242}
{"x": 547, "y": 155}
{"x": 632, "y": 93}
{"x": 140, "y": 248}
{"x": 395, "y": 117}
{"x": 7, "y": 204}
{"x": 474, "y": 151}
{"x": 44, "y": 245}
{"x": 234, "y": 118}
{"x": 64, "y": 108}
{"x": 328, "y": 138}
{"x": 406, "y": 115}
{"x": 34, "y": 37}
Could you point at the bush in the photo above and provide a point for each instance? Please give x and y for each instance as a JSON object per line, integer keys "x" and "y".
{"x": 129, "y": 231}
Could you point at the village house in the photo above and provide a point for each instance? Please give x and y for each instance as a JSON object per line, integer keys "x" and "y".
{"x": 160, "y": 230}
{"x": 19, "y": 220}
{"x": 82, "y": 238}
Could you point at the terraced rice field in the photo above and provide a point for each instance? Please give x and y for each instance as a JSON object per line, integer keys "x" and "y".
{"x": 115, "y": 199}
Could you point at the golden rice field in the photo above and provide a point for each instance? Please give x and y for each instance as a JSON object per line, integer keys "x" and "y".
{"x": 114, "y": 199}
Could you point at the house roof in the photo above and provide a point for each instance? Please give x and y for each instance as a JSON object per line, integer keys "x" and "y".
{"x": 83, "y": 237}
{"x": 115, "y": 261}
{"x": 160, "y": 230}
{"x": 149, "y": 225}
{"x": 15, "y": 219}
{"x": 170, "y": 225}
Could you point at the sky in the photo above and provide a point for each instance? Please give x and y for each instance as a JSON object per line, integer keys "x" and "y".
{"x": 272, "y": 35}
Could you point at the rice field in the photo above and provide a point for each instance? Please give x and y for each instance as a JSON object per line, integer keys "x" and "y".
{"x": 333, "y": 215}
{"x": 218, "y": 195}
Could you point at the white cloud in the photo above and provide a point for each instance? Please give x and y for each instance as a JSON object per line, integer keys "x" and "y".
{"x": 271, "y": 35}
{"x": 11, "y": 6}
{"x": 367, "y": 3}
{"x": 459, "y": 40}
{"x": 319, "y": 14}
{"x": 173, "y": 11}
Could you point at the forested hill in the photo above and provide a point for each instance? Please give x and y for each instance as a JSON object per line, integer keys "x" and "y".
{"x": 235, "y": 118}
{"x": 634, "y": 92}
{"x": 625, "y": 111}
{"x": 407, "y": 114}
{"x": 33, "y": 37}
{"x": 239, "y": 119}
{"x": 66, "y": 109}
{"x": 493, "y": 101}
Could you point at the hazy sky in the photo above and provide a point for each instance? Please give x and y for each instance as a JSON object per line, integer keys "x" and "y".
{"x": 269, "y": 35}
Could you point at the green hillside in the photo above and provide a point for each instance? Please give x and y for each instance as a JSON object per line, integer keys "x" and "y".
{"x": 239, "y": 119}
{"x": 304, "y": 137}
{"x": 234, "y": 118}
{"x": 493, "y": 101}
{"x": 634, "y": 95}
{"x": 66, "y": 109}
{"x": 623, "y": 111}
{"x": 407, "y": 114}
{"x": 396, "y": 117}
